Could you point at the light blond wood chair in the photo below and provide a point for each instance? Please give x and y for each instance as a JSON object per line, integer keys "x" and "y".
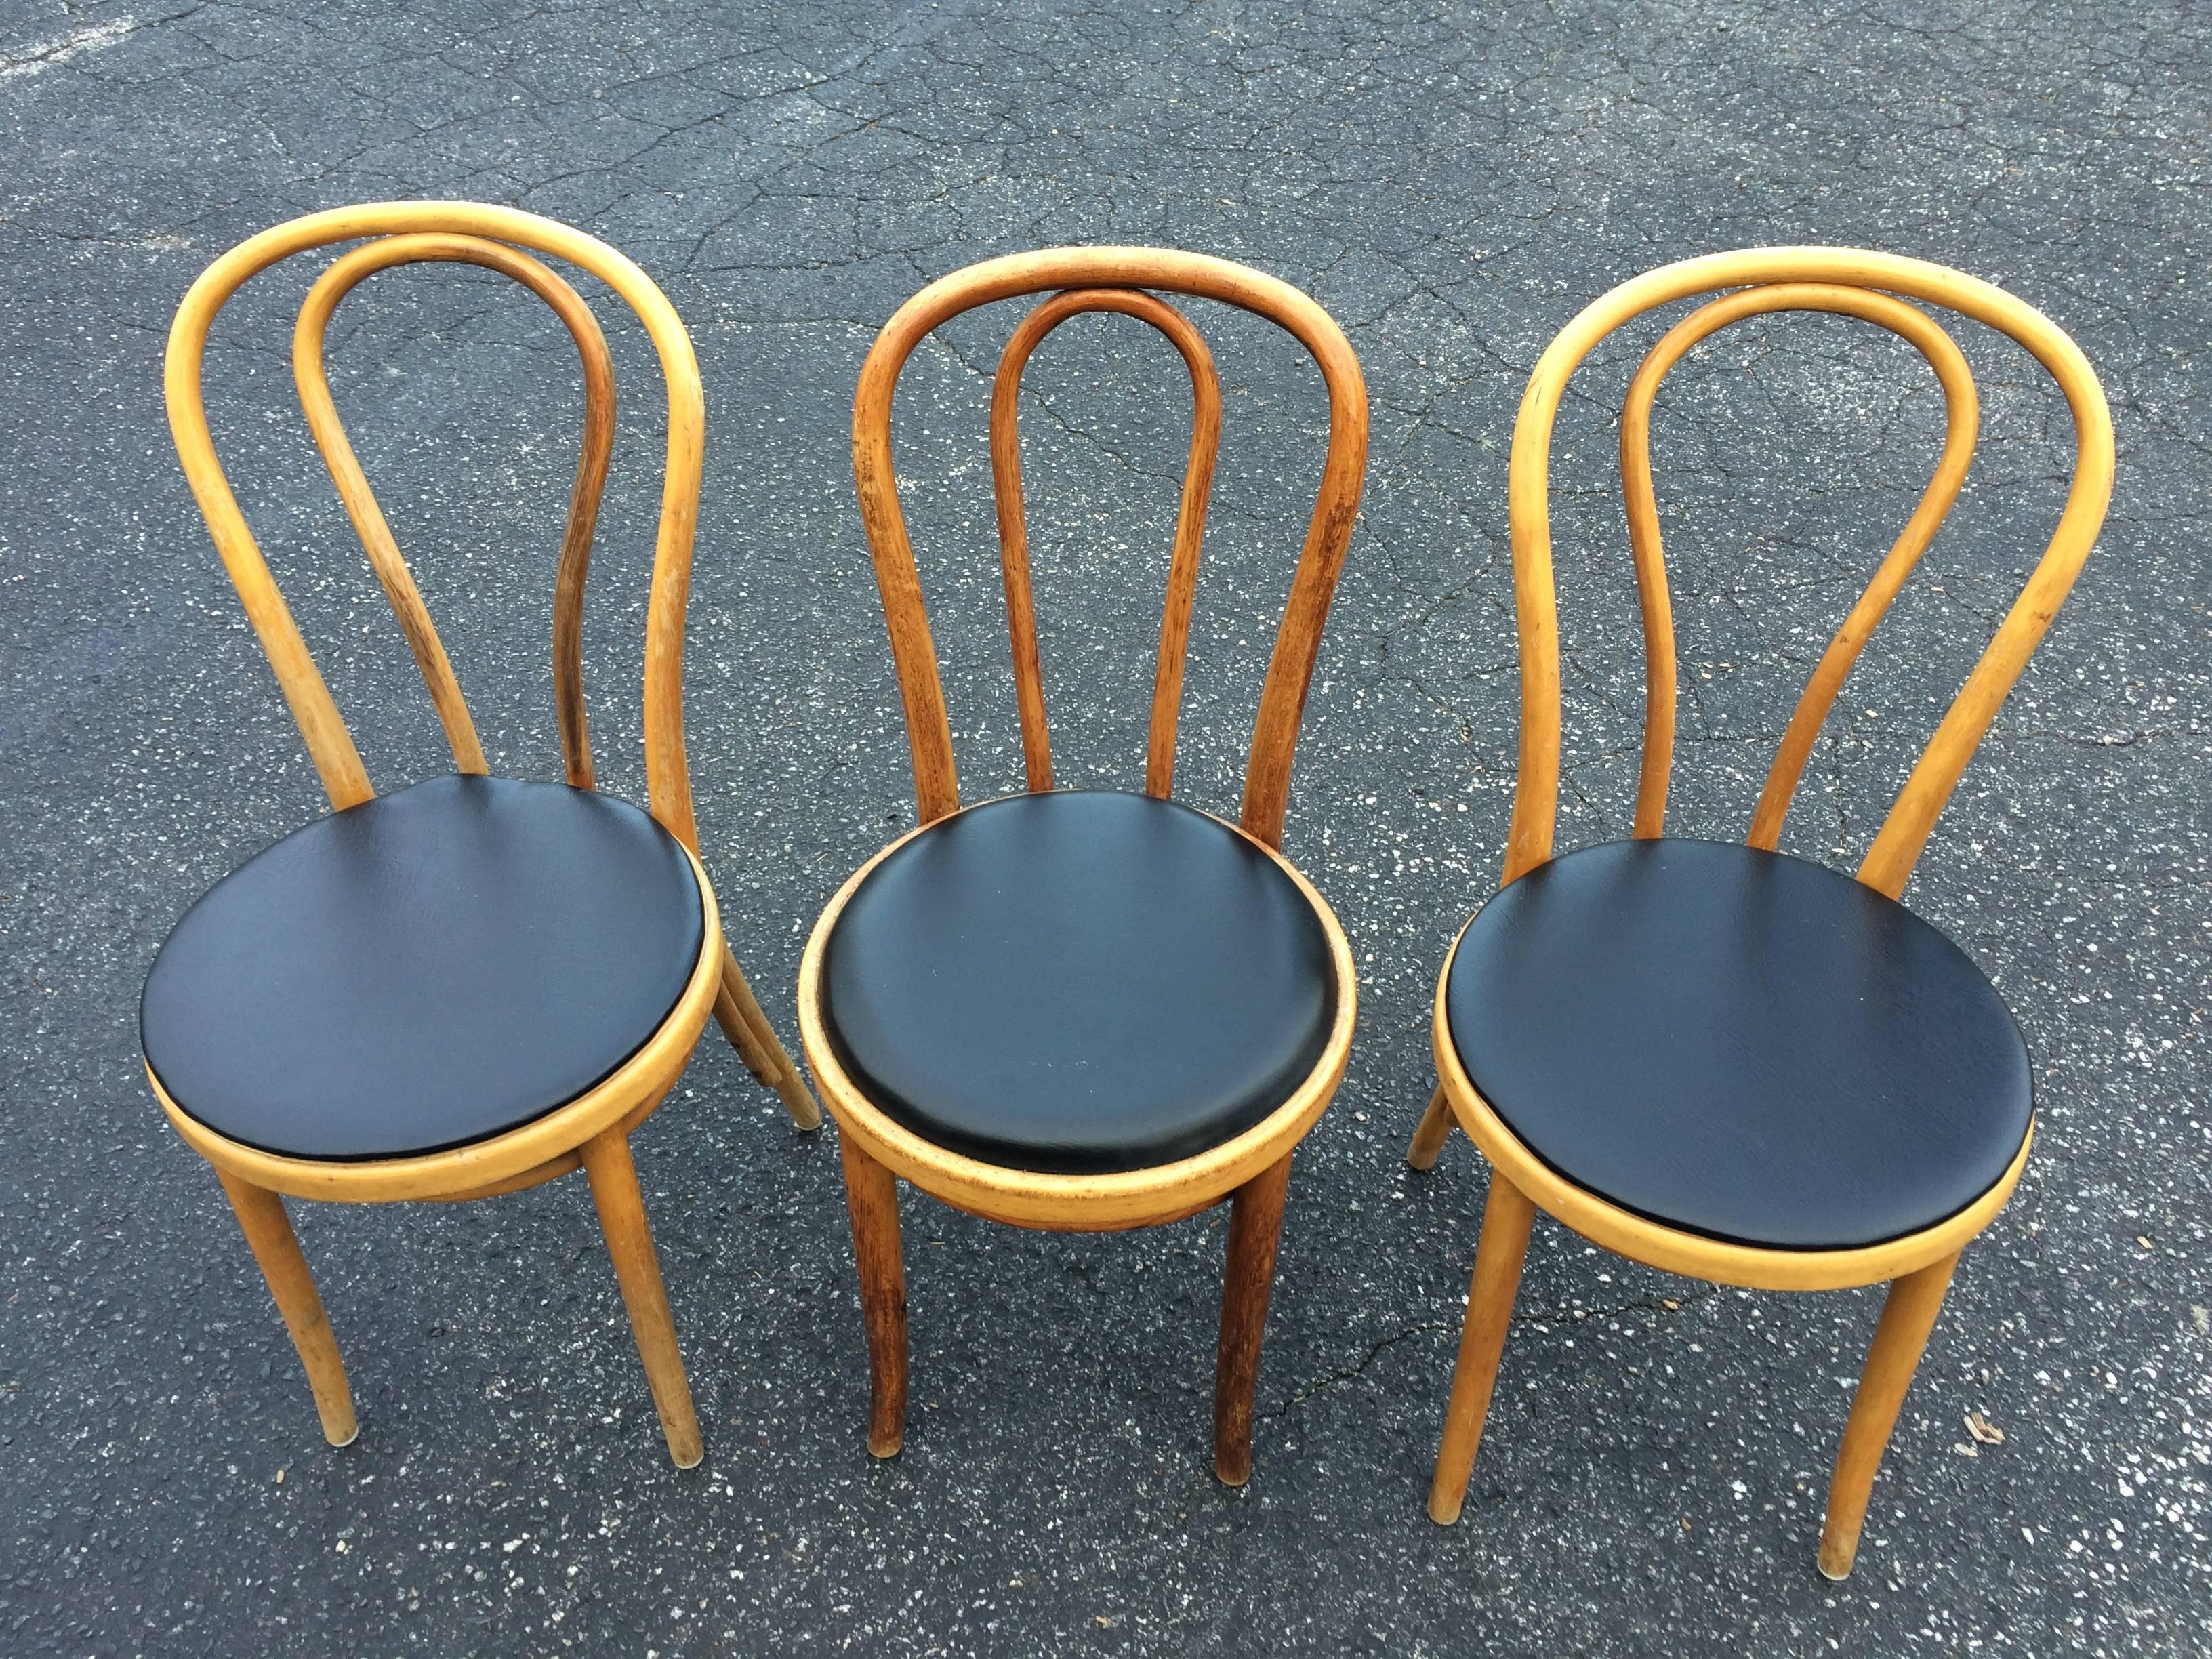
{"x": 471, "y": 985}
{"x": 1083, "y": 1010}
{"x": 1722, "y": 1061}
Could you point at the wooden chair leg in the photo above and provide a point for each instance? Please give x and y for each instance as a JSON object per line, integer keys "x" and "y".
{"x": 629, "y": 1241}
{"x": 872, "y": 1194}
{"x": 1506, "y": 1219}
{"x": 1436, "y": 1129}
{"x": 269, "y": 1232}
{"x": 1907, "y": 1317}
{"x": 738, "y": 1013}
{"x": 1255, "y": 1226}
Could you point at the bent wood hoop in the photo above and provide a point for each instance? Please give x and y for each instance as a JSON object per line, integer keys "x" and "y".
{"x": 1190, "y": 521}
{"x": 1963, "y": 413}
{"x": 1911, "y": 817}
{"x": 1297, "y": 640}
{"x": 330, "y": 746}
{"x": 308, "y": 338}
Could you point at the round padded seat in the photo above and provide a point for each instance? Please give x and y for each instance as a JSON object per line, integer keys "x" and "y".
{"x": 1739, "y": 1044}
{"x": 1078, "y": 981}
{"x": 427, "y": 968}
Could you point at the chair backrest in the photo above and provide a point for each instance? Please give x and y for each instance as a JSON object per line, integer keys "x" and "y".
{"x": 1856, "y": 283}
{"x": 1084, "y": 279}
{"x": 492, "y": 237}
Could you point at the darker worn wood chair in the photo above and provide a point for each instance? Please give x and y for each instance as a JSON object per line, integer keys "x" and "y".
{"x": 473, "y": 984}
{"x": 1085, "y": 1010}
{"x": 1723, "y": 1061}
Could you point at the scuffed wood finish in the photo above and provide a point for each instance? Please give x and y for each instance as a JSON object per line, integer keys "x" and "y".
{"x": 881, "y": 1150}
{"x": 1507, "y": 1216}
{"x": 1434, "y": 1129}
{"x": 1255, "y": 1228}
{"x": 269, "y": 1234}
{"x": 1918, "y": 1265}
{"x": 1908, "y": 1317}
{"x": 613, "y": 1176}
{"x": 547, "y": 1147}
{"x": 871, "y": 1198}
{"x": 1190, "y": 522}
{"x": 739, "y": 1013}
{"x": 1298, "y": 641}
{"x": 472, "y": 233}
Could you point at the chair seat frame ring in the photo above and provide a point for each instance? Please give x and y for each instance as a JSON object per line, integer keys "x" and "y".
{"x": 540, "y": 1150}
{"x": 1106, "y": 1202}
{"x": 1673, "y": 1248}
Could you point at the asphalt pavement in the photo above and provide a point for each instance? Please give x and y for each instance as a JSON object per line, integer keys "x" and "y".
{"x": 1453, "y": 184}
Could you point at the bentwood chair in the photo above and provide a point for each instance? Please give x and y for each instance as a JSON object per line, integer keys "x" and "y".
{"x": 1728, "y": 1062}
{"x": 473, "y": 984}
{"x": 1084, "y": 1010}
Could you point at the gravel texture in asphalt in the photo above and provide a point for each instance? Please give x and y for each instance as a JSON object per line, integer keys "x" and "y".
{"x": 1452, "y": 184}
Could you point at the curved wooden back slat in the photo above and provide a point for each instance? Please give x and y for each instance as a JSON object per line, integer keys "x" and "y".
{"x": 308, "y": 338}
{"x": 1297, "y": 640}
{"x": 1963, "y": 417}
{"x": 329, "y": 744}
{"x": 1190, "y": 521}
{"x": 1911, "y": 817}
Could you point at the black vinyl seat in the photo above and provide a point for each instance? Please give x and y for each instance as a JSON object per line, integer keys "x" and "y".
{"x": 1739, "y": 1044}
{"x": 1079, "y": 981}
{"x": 425, "y": 970}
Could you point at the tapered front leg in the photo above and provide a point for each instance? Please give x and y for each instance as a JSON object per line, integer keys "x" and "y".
{"x": 1255, "y": 1226}
{"x": 871, "y": 1195}
{"x": 1436, "y": 1128}
{"x": 277, "y": 1247}
{"x": 738, "y": 1011}
{"x": 1506, "y": 1219}
{"x": 1907, "y": 1318}
{"x": 637, "y": 1268}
